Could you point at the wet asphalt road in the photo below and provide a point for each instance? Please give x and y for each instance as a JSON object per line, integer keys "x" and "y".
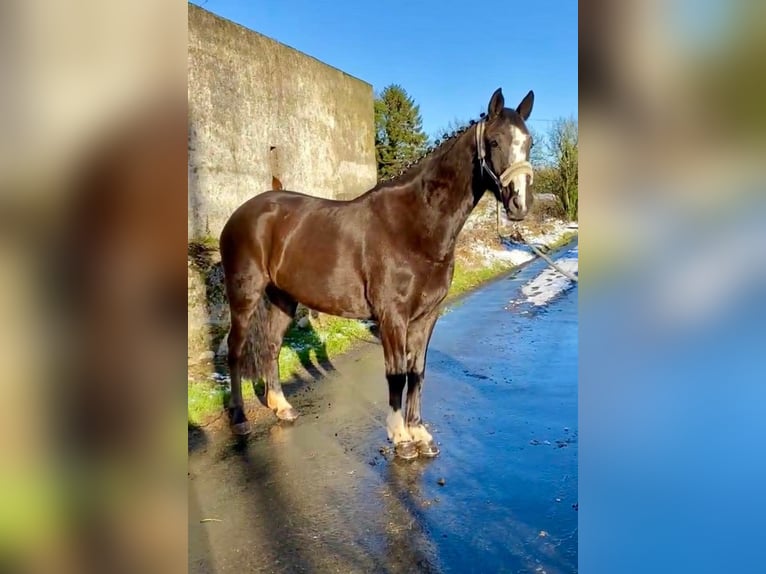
{"x": 319, "y": 496}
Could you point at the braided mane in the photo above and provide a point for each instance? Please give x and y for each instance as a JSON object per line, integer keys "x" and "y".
{"x": 440, "y": 144}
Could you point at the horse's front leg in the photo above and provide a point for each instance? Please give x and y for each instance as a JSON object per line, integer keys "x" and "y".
{"x": 418, "y": 336}
{"x": 393, "y": 334}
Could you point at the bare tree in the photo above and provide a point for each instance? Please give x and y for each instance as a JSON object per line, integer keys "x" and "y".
{"x": 563, "y": 149}
{"x": 452, "y": 126}
{"x": 538, "y": 155}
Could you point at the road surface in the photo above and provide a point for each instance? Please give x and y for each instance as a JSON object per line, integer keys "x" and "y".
{"x": 318, "y": 495}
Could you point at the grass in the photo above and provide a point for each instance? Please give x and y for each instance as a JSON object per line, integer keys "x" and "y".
{"x": 308, "y": 349}
{"x": 467, "y": 277}
{"x": 205, "y": 398}
{"x": 208, "y": 241}
{"x": 563, "y": 240}
{"x": 311, "y": 349}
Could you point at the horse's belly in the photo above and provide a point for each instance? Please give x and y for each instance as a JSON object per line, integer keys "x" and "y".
{"x": 337, "y": 290}
{"x": 317, "y": 258}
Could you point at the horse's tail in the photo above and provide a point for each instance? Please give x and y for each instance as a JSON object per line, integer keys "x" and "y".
{"x": 254, "y": 356}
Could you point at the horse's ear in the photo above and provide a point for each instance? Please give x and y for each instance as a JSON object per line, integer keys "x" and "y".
{"x": 525, "y": 107}
{"x": 496, "y": 103}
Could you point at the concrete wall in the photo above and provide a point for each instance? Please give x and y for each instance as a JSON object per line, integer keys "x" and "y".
{"x": 258, "y": 109}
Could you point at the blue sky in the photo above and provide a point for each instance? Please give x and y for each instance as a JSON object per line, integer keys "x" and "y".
{"x": 449, "y": 55}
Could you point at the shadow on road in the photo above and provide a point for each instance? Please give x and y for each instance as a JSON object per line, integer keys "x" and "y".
{"x": 409, "y": 544}
{"x": 299, "y": 522}
{"x": 311, "y": 349}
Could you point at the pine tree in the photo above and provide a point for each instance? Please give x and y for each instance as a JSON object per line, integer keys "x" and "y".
{"x": 399, "y": 136}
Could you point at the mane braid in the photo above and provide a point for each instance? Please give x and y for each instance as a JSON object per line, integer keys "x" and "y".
{"x": 427, "y": 153}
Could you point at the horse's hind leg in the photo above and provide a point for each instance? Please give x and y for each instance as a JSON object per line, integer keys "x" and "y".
{"x": 280, "y": 315}
{"x": 244, "y": 289}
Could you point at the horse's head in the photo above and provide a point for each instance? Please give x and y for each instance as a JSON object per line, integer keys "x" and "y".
{"x": 503, "y": 143}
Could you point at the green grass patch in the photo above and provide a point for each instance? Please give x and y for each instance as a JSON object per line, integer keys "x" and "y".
{"x": 563, "y": 240}
{"x": 207, "y": 241}
{"x": 205, "y": 398}
{"x": 307, "y": 348}
{"x": 312, "y": 347}
{"x": 466, "y": 278}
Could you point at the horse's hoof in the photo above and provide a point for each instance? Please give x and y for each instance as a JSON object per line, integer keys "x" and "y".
{"x": 289, "y": 414}
{"x": 406, "y": 450}
{"x": 238, "y": 422}
{"x": 428, "y": 449}
{"x": 241, "y": 429}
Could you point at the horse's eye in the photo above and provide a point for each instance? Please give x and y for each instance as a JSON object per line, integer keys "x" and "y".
{"x": 493, "y": 143}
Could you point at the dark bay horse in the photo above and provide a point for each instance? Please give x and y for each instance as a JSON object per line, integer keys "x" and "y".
{"x": 387, "y": 255}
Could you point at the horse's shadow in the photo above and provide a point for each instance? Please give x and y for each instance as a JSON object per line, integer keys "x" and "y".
{"x": 197, "y": 438}
{"x": 311, "y": 349}
{"x": 411, "y": 543}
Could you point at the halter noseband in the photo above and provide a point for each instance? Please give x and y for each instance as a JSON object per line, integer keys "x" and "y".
{"x": 517, "y": 168}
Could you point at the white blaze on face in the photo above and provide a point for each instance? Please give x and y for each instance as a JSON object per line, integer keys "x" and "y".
{"x": 518, "y": 153}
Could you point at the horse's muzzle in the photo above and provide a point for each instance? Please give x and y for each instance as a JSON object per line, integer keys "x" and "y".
{"x": 516, "y": 205}
{"x": 515, "y": 209}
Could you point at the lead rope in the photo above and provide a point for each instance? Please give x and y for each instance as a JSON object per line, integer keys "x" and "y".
{"x": 540, "y": 254}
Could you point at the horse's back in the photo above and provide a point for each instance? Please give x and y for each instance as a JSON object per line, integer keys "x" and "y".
{"x": 309, "y": 247}
{"x": 317, "y": 254}
{"x": 252, "y": 219}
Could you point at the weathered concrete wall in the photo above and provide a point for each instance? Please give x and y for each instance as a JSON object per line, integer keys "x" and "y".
{"x": 258, "y": 109}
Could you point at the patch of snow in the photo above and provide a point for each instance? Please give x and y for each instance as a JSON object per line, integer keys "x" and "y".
{"x": 515, "y": 253}
{"x": 220, "y": 378}
{"x": 514, "y": 256}
{"x": 550, "y": 283}
{"x": 556, "y": 233}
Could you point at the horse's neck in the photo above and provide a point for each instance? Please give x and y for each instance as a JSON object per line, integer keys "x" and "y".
{"x": 451, "y": 190}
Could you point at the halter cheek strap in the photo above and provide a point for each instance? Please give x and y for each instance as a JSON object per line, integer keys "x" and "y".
{"x": 513, "y": 170}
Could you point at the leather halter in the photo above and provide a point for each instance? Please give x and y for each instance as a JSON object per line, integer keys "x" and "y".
{"x": 517, "y": 168}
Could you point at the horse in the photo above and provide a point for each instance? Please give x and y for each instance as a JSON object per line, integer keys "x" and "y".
{"x": 387, "y": 255}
